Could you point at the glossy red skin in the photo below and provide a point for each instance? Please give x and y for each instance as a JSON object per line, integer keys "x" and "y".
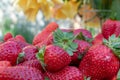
{"x": 20, "y": 43}
{"x": 67, "y": 73}
{"x": 111, "y": 27}
{"x": 83, "y": 46}
{"x": 32, "y": 63}
{"x": 40, "y": 37}
{"x": 113, "y": 78}
{"x": 56, "y": 58}
{"x": 98, "y": 39}
{"x": 20, "y": 73}
{"x": 46, "y": 42}
{"x": 99, "y": 62}
{"x": 30, "y": 53}
{"x": 20, "y": 37}
{"x": 84, "y": 32}
{"x": 5, "y": 64}
{"x": 7, "y": 36}
{"x": 9, "y": 52}
{"x": 1, "y": 42}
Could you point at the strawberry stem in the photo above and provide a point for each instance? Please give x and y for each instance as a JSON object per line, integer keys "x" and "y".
{"x": 65, "y": 41}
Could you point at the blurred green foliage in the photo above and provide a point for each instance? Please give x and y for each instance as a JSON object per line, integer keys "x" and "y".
{"x": 107, "y": 8}
{"x": 16, "y": 28}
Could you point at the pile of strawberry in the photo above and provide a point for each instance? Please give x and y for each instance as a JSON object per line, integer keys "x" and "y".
{"x": 59, "y": 54}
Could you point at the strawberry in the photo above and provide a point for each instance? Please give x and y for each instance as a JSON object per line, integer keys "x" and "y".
{"x": 20, "y": 43}
{"x": 82, "y": 48}
{"x": 68, "y": 73}
{"x": 85, "y": 32}
{"x": 7, "y": 36}
{"x": 58, "y": 55}
{"x": 5, "y": 64}
{"x": 1, "y": 42}
{"x": 40, "y": 37}
{"x": 9, "y": 52}
{"x": 101, "y": 61}
{"x": 32, "y": 63}
{"x": 47, "y": 41}
{"x": 20, "y": 37}
{"x": 20, "y": 73}
{"x": 110, "y": 27}
{"x": 55, "y": 58}
{"x": 98, "y": 39}
{"x": 30, "y": 53}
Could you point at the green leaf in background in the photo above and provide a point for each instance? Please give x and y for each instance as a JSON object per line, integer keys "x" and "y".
{"x": 118, "y": 76}
{"x": 115, "y": 8}
{"x": 103, "y": 7}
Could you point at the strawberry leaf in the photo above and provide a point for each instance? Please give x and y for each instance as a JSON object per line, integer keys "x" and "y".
{"x": 20, "y": 58}
{"x": 80, "y": 36}
{"x": 65, "y": 41}
{"x": 113, "y": 43}
{"x": 40, "y": 56}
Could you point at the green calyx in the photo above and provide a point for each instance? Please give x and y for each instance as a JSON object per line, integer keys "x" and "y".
{"x": 20, "y": 58}
{"x": 40, "y": 56}
{"x": 65, "y": 40}
{"x": 80, "y": 36}
{"x": 113, "y": 43}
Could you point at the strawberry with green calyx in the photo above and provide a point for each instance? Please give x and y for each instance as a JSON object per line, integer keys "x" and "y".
{"x": 85, "y": 32}
{"x": 53, "y": 58}
{"x": 65, "y": 41}
{"x": 28, "y": 53}
{"x": 101, "y": 61}
{"x": 82, "y": 48}
{"x": 81, "y": 36}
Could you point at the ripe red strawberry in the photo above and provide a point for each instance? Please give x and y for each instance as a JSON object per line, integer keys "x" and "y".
{"x": 20, "y": 43}
{"x": 113, "y": 78}
{"x": 1, "y": 42}
{"x": 40, "y": 37}
{"x": 32, "y": 63}
{"x": 55, "y": 58}
{"x": 5, "y": 64}
{"x": 47, "y": 41}
{"x": 68, "y": 73}
{"x": 7, "y": 36}
{"x": 98, "y": 39}
{"x": 58, "y": 55}
{"x": 111, "y": 27}
{"x": 30, "y": 53}
{"x": 20, "y": 37}
{"x": 20, "y": 73}
{"x": 85, "y": 32}
{"x": 82, "y": 48}
{"x": 9, "y": 52}
{"x": 99, "y": 62}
